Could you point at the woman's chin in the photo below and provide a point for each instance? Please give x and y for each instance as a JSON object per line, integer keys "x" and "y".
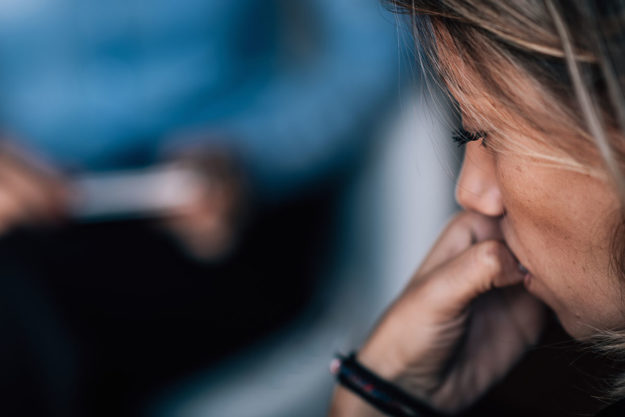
{"x": 575, "y": 327}
{"x": 571, "y": 323}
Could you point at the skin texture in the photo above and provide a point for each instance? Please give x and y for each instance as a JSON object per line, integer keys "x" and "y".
{"x": 559, "y": 225}
{"x": 534, "y": 193}
{"x": 461, "y": 323}
{"x": 558, "y": 222}
{"x": 469, "y": 313}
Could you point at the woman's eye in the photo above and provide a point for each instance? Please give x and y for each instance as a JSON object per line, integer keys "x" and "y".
{"x": 462, "y": 136}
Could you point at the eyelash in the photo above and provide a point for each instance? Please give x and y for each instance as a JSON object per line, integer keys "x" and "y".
{"x": 461, "y": 137}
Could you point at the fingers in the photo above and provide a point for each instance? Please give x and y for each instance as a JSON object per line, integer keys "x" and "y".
{"x": 203, "y": 229}
{"x": 10, "y": 209}
{"x": 34, "y": 196}
{"x": 206, "y": 226}
{"x": 484, "y": 266}
{"x": 28, "y": 195}
{"x": 464, "y": 230}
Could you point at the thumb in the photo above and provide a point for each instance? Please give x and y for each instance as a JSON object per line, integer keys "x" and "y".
{"x": 480, "y": 268}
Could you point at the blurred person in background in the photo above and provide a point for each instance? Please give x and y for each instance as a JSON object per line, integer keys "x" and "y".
{"x": 268, "y": 104}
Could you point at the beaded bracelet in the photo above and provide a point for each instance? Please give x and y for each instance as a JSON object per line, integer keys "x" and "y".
{"x": 381, "y": 394}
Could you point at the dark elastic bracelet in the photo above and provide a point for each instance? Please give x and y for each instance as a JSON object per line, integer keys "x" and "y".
{"x": 381, "y": 394}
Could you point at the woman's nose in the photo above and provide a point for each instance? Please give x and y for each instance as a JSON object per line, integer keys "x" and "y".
{"x": 478, "y": 188}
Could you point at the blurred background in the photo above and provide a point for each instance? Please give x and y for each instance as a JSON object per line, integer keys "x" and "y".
{"x": 201, "y": 201}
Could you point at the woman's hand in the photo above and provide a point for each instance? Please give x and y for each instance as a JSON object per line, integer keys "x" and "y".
{"x": 458, "y": 327}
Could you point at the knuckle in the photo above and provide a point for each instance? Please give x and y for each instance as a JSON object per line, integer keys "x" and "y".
{"x": 489, "y": 256}
{"x": 459, "y": 226}
{"x": 464, "y": 222}
{"x": 469, "y": 216}
{"x": 461, "y": 219}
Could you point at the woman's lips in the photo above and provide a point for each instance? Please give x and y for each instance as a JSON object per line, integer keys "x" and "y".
{"x": 522, "y": 268}
{"x": 527, "y": 276}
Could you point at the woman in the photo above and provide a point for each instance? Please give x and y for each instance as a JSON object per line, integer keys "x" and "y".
{"x": 540, "y": 89}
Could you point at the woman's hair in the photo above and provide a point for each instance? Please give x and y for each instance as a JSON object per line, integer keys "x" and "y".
{"x": 552, "y": 71}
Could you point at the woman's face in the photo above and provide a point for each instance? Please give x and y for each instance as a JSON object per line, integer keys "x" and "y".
{"x": 558, "y": 223}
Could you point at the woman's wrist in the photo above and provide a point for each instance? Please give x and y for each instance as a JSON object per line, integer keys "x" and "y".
{"x": 347, "y": 404}
{"x": 381, "y": 393}
{"x": 384, "y": 365}
{"x": 416, "y": 381}
{"x": 388, "y": 365}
